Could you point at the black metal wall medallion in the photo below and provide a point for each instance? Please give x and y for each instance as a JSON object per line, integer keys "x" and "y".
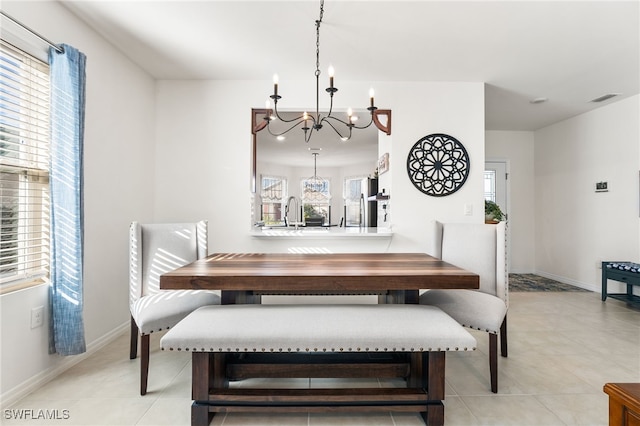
{"x": 438, "y": 165}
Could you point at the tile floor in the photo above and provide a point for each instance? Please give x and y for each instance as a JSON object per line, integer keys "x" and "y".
{"x": 563, "y": 347}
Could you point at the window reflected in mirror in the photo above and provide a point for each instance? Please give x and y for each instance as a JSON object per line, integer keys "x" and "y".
{"x": 273, "y": 193}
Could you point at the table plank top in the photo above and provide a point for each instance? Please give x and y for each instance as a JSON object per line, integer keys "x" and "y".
{"x": 314, "y": 272}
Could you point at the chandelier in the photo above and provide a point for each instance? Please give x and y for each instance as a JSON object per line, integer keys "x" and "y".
{"x": 311, "y": 122}
{"x": 315, "y": 187}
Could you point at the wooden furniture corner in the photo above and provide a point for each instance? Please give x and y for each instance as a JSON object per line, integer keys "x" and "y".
{"x": 624, "y": 403}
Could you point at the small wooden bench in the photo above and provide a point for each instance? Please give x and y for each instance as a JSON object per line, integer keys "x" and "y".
{"x": 230, "y": 342}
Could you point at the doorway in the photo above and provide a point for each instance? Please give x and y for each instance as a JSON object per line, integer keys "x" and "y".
{"x": 495, "y": 184}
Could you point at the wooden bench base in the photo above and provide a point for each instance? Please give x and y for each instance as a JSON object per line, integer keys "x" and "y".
{"x": 424, "y": 394}
{"x": 235, "y": 342}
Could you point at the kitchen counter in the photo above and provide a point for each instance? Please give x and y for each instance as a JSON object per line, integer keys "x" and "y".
{"x": 321, "y": 232}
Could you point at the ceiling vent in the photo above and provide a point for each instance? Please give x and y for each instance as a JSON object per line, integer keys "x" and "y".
{"x": 605, "y": 97}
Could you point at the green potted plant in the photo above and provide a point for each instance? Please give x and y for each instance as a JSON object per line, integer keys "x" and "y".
{"x": 492, "y": 212}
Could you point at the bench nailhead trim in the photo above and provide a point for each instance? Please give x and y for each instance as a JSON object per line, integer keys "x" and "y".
{"x": 422, "y": 349}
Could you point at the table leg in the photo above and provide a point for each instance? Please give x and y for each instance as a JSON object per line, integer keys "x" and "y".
{"x": 399, "y": 297}
{"x": 233, "y": 297}
{"x": 391, "y": 297}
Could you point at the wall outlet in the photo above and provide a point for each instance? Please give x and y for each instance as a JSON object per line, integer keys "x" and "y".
{"x": 37, "y": 317}
{"x": 468, "y": 209}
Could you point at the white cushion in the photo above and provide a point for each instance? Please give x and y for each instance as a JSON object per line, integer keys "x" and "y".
{"x": 470, "y": 308}
{"x": 318, "y": 328}
{"x": 166, "y": 308}
{"x": 472, "y": 247}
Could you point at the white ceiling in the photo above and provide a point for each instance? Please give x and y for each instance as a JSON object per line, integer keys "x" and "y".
{"x": 567, "y": 51}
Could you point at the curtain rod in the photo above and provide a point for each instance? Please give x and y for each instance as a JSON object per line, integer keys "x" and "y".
{"x": 20, "y": 24}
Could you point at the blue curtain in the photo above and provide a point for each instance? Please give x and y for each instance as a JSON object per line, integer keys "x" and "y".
{"x": 67, "y": 71}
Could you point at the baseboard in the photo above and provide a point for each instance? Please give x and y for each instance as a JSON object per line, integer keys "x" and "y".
{"x": 569, "y": 281}
{"x": 62, "y": 364}
{"x": 521, "y": 271}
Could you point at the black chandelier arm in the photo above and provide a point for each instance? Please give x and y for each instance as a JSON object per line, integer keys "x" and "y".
{"x": 349, "y": 126}
{"x": 331, "y": 91}
{"x": 300, "y": 120}
{"x": 307, "y": 133}
{"x": 365, "y": 126}
{"x": 300, "y": 117}
{"x": 336, "y": 119}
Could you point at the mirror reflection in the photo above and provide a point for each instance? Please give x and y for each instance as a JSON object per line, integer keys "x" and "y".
{"x": 324, "y": 182}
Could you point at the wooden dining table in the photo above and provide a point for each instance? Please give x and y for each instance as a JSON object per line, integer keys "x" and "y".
{"x": 244, "y": 277}
{"x": 393, "y": 277}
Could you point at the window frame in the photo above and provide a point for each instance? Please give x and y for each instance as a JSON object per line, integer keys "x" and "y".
{"x": 489, "y": 183}
{"x": 351, "y": 203}
{"x": 273, "y": 205}
{"x": 25, "y": 130}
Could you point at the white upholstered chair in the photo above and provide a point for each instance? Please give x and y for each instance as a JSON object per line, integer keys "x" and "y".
{"x": 479, "y": 248}
{"x": 154, "y": 250}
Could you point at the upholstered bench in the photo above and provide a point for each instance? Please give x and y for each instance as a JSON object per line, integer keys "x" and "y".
{"x": 337, "y": 341}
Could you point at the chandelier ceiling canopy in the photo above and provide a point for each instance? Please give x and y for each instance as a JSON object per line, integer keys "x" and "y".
{"x": 314, "y": 121}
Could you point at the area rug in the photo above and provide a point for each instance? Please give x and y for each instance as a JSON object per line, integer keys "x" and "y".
{"x": 531, "y": 282}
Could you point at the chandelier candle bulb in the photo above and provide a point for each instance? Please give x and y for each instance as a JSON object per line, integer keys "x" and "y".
{"x": 371, "y": 96}
{"x": 275, "y": 84}
{"x": 331, "y": 74}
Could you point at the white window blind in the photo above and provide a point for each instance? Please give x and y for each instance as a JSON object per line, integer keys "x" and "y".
{"x": 273, "y": 191}
{"x": 24, "y": 168}
{"x": 490, "y": 185}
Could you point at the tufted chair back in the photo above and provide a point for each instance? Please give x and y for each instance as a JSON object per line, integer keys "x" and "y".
{"x": 479, "y": 248}
{"x": 159, "y": 248}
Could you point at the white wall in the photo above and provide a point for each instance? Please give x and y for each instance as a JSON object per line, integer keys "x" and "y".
{"x": 517, "y": 149}
{"x": 119, "y": 177}
{"x": 203, "y": 156}
{"x": 576, "y": 228}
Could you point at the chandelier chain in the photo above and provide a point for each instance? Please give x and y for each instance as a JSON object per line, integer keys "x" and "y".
{"x": 318, "y": 22}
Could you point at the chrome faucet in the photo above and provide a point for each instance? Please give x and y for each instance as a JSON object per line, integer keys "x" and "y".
{"x": 287, "y": 209}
